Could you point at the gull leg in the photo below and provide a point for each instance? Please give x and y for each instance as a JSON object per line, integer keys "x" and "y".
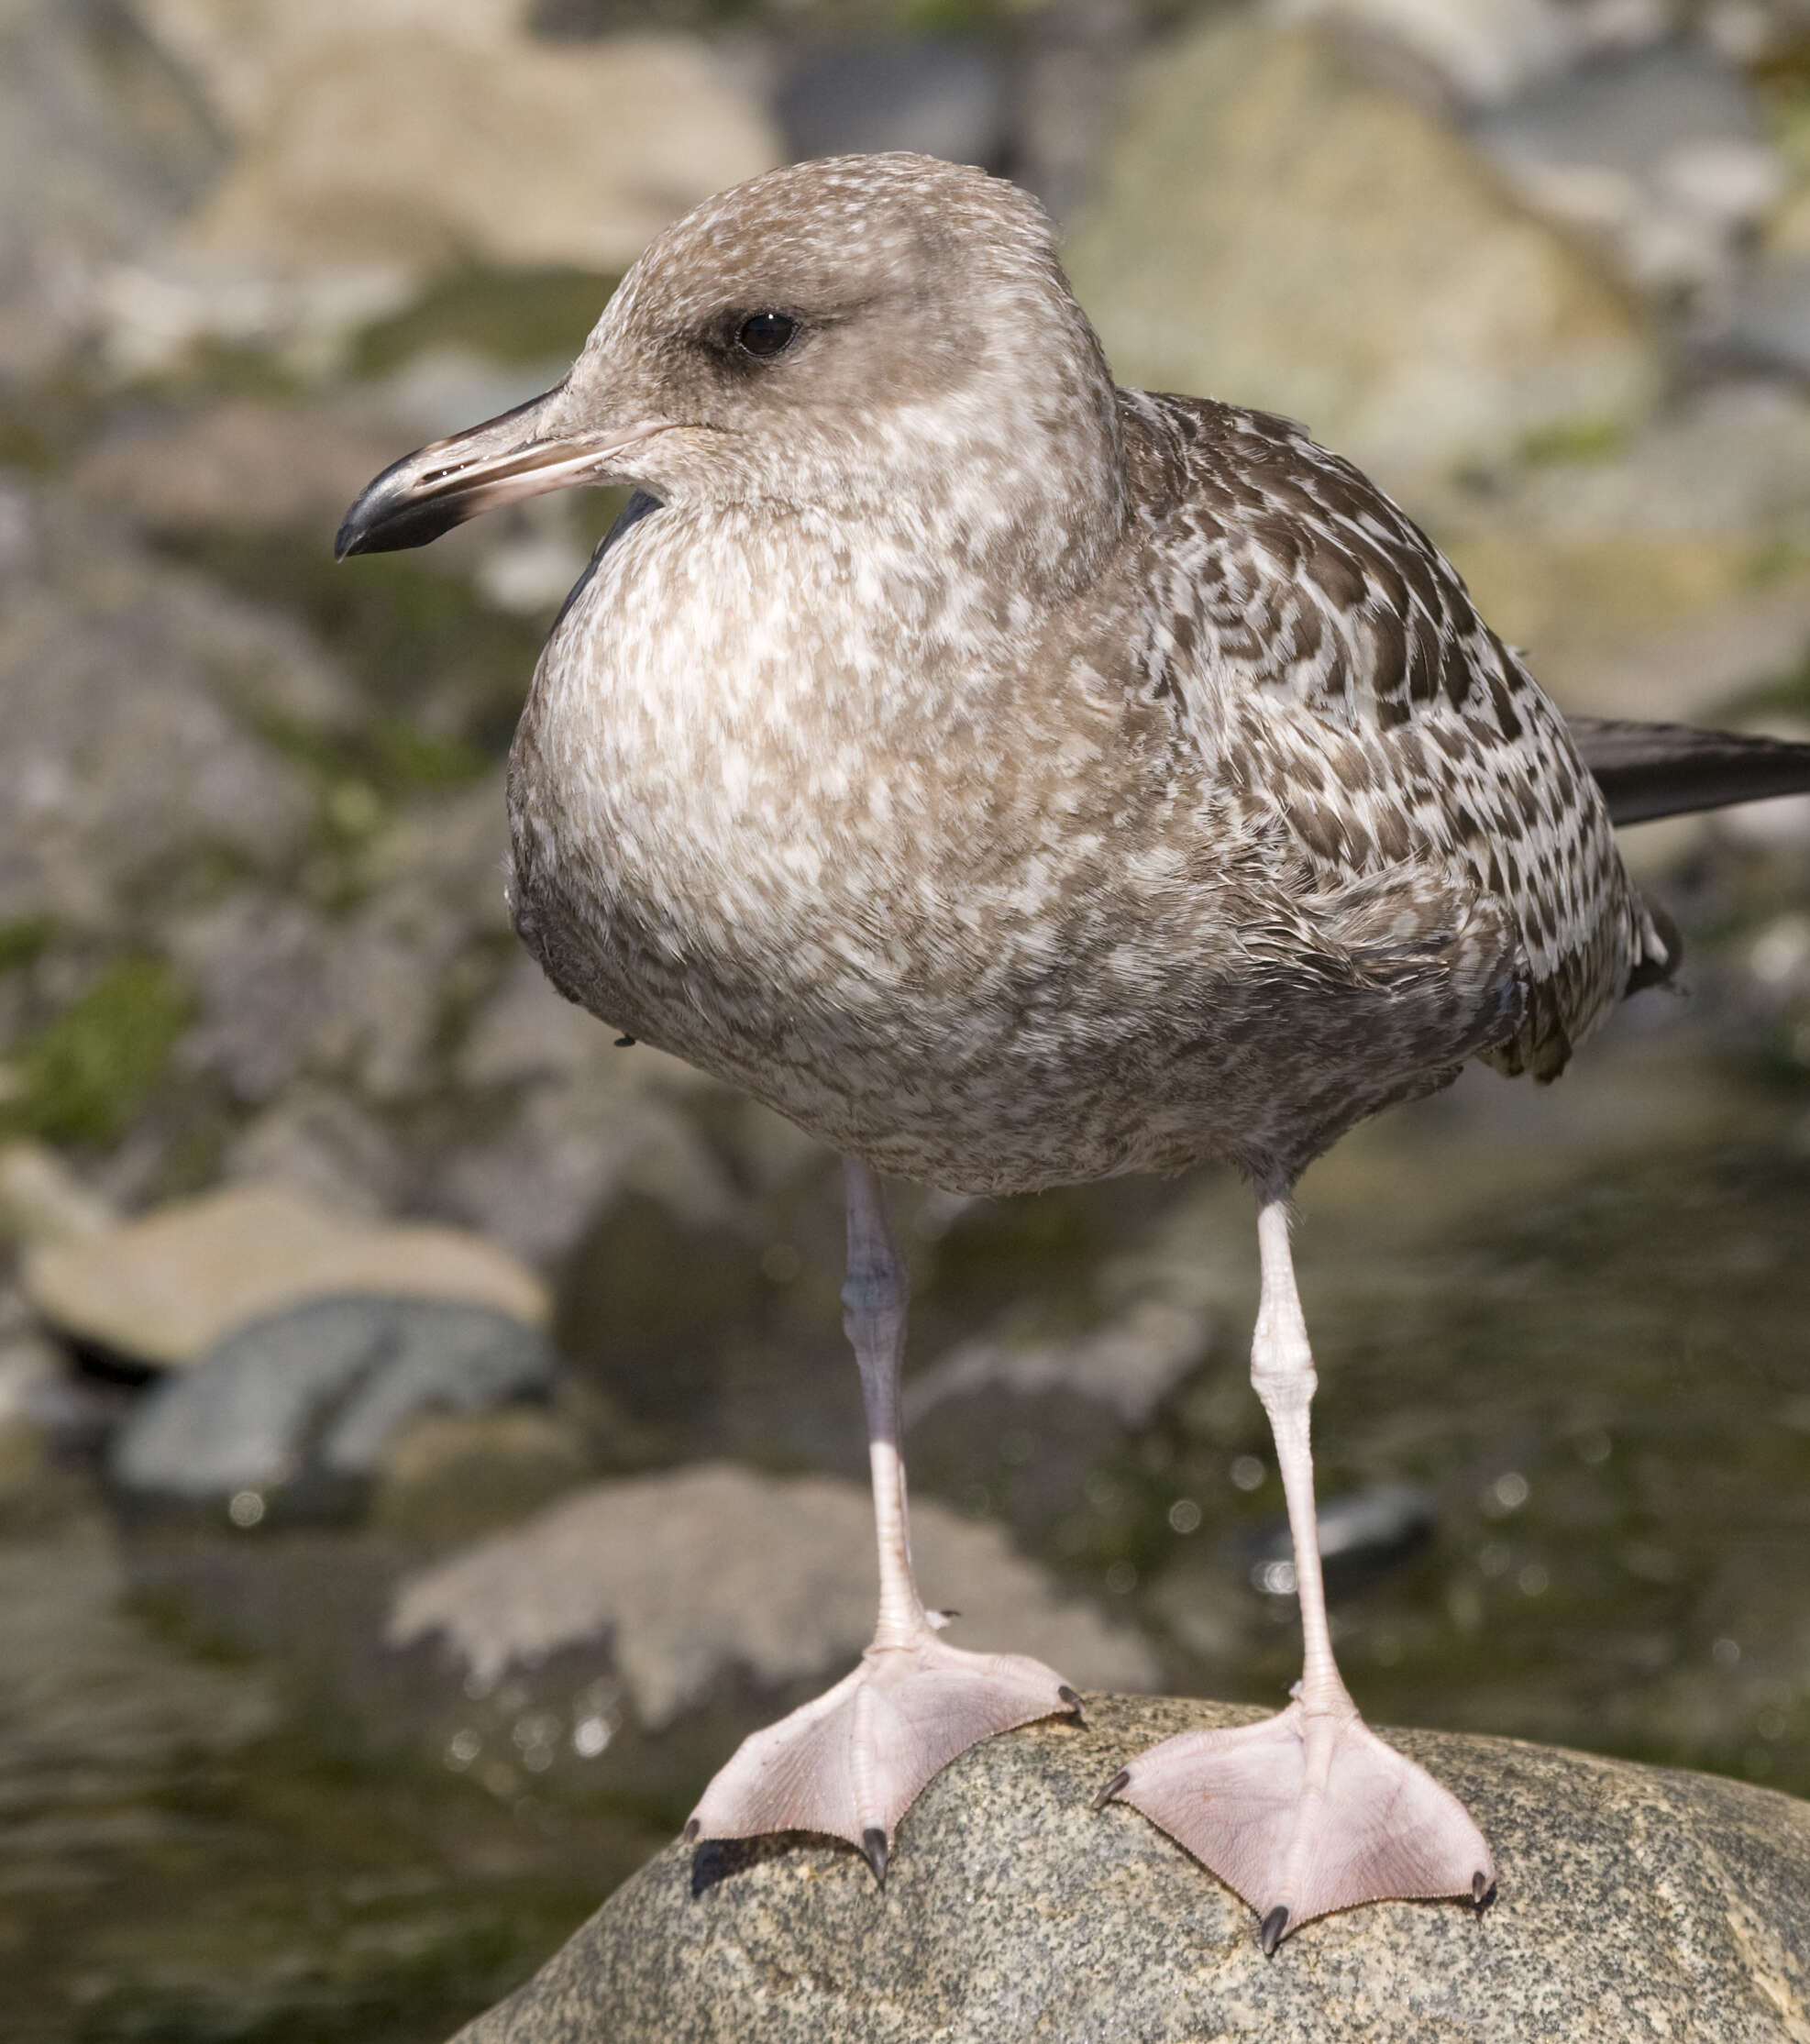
{"x": 851, "y": 1764}
{"x": 1309, "y": 1811}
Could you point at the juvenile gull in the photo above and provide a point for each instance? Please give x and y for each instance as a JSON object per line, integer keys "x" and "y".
{"x": 1016, "y": 780}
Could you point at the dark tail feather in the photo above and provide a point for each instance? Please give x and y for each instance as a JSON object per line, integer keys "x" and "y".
{"x": 1666, "y": 769}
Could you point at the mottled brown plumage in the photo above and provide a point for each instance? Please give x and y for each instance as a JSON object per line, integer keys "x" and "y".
{"x": 1015, "y": 780}
{"x": 1248, "y": 827}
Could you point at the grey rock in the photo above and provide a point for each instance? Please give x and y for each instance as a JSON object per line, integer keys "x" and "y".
{"x": 1480, "y": 51}
{"x": 1770, "y": 322}
{"x": 258, "y": 966}
{"x": 1628, "y": 1897}
{"x": 297, "y": 1410}
{"x": 528, "y": 1031}
{"x": 242, "y": 465}
{"x": 941, "y": 95}
{"x": 1658, "y": 151}
{"x": 131, "y": 691}
{"x": 1627, "y": 114}
{"x": 1731, "y": 465}
{"x": 575, "y": 153}
{"x": 570, "y": 1150}
{"x": 588, "y": 1120}
{"x": 1071, "y": 75}
{"x": 1274, "y": 228}
{"x": 286, "y": 989}
{"x": 1652, "y": 577}
{"x": 1025, "y": 1428}
{"x": 322, "y": 1143}
{"x": 1129, "y": 1367}
{"x": 102, "y": 147}
{"x": 18, "y": 538}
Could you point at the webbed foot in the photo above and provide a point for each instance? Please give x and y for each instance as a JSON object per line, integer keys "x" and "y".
{"x": 851, "y": 1762}
{"x": 1302, "y": 1815}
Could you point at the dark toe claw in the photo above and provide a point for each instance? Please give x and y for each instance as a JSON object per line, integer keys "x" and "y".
{"x": 1121, "y": 1779}
{"x": 873, "y": 1847}
{"x": 1274, "y": 1925}
{"x": 692, "y": 1830}
{"x": 1482, "y": 1892}
{"x": 1072, "y": 1697}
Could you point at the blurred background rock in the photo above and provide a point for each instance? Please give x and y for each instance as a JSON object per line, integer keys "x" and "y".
{"x": 359, "y": 1299}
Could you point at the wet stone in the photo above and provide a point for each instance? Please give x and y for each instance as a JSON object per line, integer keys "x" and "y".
{"x": 291, "y": 1417}
{"x": 1363, "y": 1536}
{"x": 1628, "y": 1896}
{"x": 622, "y": 1643}
{"x": 691, "y": 1574}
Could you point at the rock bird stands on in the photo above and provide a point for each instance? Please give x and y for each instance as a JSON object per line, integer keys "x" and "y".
{"x": 1015, "y": 780}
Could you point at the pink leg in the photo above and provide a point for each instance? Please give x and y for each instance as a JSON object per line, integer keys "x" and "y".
{"x": 1309, "y": 1811}
{"x": 851, "y": 1762}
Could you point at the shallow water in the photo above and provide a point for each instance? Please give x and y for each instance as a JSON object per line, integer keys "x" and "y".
{"x": 1576, "y": 1320}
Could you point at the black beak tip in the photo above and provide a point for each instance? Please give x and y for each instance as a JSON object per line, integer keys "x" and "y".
{"x": 397, "y": 509}
{"x": 386, "y": 522}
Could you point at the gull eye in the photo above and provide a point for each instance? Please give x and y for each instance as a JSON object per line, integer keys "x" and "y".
{"x": 764, "y": 334}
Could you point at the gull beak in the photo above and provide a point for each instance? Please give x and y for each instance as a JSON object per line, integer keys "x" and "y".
{"x": 518, "y": 454}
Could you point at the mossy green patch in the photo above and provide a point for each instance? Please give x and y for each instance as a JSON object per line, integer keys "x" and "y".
{"x": 410, "y": 756}
{"x": 42, "y": 423}
{"x": 1575, "y": 440}
{"x": 507, "y": 315}
{"x": 1784, "y": 695}
{"x": 85, "y": 1075}
{"x": 24, "y": 941}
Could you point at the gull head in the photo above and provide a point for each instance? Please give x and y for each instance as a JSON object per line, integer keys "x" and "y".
{"x": 882, "y": 335}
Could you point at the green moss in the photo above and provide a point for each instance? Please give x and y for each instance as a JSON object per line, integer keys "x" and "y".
{"x": 509, "y": 315}
{"x": 82, "y": 1076}
{"x": 24, "y": 941}
{"x": 1575, "y": 440}
{"x": 211, "y": 369}
{"x": 1786, "y": 694}
{"x": 43, "y": 422}
{"x": 409, "y": 757}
